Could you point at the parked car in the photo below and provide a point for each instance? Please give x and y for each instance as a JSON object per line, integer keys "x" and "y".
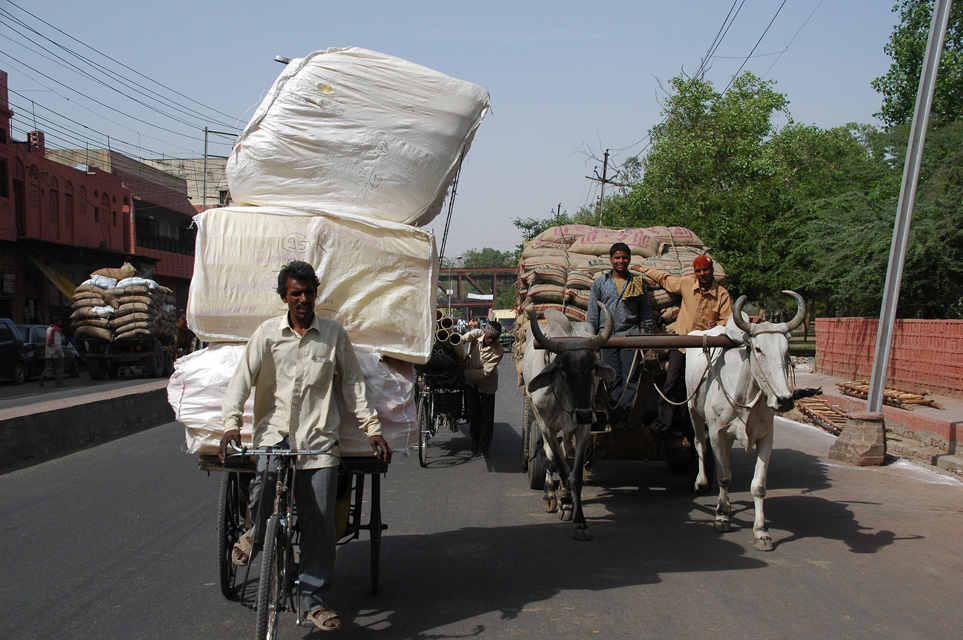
{"x": 34, "y": 345}
{"x": 13, "y": 364}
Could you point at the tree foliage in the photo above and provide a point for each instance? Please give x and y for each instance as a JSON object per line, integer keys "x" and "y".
{"x": 907, "y": 47}
{"x": 795, "y": 206}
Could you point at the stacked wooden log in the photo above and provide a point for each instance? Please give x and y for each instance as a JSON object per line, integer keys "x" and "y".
{"x": 830, "y": 417}
{"x": 892, "y": 396}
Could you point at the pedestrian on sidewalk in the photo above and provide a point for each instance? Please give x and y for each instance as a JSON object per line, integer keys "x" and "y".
{"x": 54, "y": 354}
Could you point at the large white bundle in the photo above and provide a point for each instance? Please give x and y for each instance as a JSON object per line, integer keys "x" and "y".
{"x": 358, "y": 132}
{"x": 196, "y": 390}
{"x": 378, "y": 279}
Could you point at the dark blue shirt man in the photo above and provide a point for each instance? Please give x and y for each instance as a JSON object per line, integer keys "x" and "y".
{"x": 624, "y": 295}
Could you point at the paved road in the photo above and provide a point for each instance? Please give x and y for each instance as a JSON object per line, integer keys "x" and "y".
{"x": 30, "y": 392}
{"x": 118, "y": 541}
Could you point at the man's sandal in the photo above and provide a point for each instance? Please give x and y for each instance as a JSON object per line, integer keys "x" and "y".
{"x": 241, "y": 553}
{"x": 321, "y": 616}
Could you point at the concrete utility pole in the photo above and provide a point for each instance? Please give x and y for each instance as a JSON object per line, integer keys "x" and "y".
{"x": 904, "y": 208}
{"x": 604, "y": 180}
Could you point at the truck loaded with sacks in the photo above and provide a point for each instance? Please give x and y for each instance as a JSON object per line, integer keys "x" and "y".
{"x": 124, "y": 320}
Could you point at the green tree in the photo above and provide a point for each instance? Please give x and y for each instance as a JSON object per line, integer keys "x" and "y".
{"x": 907, "y": 46}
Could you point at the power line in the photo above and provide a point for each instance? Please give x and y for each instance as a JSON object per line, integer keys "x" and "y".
{"x": 793, "y": 39}
{"x": 160, "y": 84}
{"x": 736, "y": 74}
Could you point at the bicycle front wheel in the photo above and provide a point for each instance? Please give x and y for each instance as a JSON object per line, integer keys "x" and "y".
{"x": 270, "y": 589}
{"x": 424, "y": 430}
{"x": 229, "y": 528}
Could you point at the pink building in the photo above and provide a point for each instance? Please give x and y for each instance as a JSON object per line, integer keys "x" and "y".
{"x": 65, "y": 213}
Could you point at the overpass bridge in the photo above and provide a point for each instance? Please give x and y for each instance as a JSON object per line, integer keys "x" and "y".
{"x": 477, "y": 280}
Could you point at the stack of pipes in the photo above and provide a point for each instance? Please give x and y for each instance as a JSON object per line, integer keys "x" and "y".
{"x": 448, "y": 349}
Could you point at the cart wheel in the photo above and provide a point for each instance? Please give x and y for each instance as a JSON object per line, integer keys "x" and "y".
{"x": 424, "y": 431}
{"x": 229, "y": 525}
{"x": 155, "y": 363}
{"x": 527, "y": 418}
{"x": 270, "y": 588}
{"x": 536, "y": 463}
{"x": 96, "y": 369}
{"x": 375, "y": 531}
{"x": 113, "y": 369}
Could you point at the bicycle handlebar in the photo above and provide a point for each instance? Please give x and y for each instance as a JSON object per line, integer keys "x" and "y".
{"x": 272, "y": 451}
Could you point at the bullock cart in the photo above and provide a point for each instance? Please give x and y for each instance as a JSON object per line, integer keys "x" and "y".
{"x": 233, "y": 517}
{"x": 633, "y": 440}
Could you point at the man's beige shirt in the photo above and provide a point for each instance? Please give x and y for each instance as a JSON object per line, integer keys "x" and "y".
{"x": 700, "y": 309}
{"x": 481, "y": 370}
{"x": 294, "y": 380}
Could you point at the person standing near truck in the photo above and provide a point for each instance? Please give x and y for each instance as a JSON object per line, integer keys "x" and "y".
{"x": 296, "y": 363}
{"x": 53, "y": 354}
{"x": 704, "y": 305}
{"x": 624, "y": 295}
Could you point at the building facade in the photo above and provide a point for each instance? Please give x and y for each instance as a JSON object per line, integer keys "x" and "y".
{"x": 66, "y": 213}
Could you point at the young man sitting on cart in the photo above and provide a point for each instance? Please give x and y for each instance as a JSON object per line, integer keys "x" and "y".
{"x": 296, "y": 362}
{"x": 624, "y": 295}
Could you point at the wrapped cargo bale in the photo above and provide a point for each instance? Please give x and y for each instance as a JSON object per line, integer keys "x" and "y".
{"x": 357, "y": 132}
{"x": 196, "y": 390}
{"x": 377, "y": 278}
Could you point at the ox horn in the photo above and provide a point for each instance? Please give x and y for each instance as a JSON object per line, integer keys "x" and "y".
{"x": 737, "y": 315}
{"x": 607, "y": 327}
{"x": 800, "y": 310}
{"x": 546, "y": 343}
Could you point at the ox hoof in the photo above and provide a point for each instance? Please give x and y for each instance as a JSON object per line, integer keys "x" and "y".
{"x": 551, "y": 505}
{"x": 566, "y": 514}
{"x": 762, "y": 544}
{"x": 721, "y": 526}
{"x": 701, "y": 489}
{"x": 582, "y": 535}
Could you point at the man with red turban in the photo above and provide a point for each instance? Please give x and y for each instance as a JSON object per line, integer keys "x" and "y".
{"x": 704, "y": 305}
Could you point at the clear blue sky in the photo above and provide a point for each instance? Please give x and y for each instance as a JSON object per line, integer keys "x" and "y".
{"x": 567, "y": 79}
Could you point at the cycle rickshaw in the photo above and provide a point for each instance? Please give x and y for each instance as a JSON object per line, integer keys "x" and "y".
{"x": 441, "y": 403}
{"x": 277, "y": 587}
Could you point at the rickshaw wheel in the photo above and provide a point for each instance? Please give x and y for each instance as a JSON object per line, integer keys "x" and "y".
{"x": 270, "y": 588}
{"x": 229, "y": 527}
{"x": 424, "y": 432}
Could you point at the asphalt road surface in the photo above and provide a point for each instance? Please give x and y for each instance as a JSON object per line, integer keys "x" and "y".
{"x": 118, "y": 541}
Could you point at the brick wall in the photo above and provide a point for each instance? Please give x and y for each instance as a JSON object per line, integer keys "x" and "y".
{"x": 926, "y": 355}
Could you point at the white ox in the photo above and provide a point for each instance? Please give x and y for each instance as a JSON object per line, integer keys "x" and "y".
{"x": 736, "y": 397}
{"x": 561, "y": 380}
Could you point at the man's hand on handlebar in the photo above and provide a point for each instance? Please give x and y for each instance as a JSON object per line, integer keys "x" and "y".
{"x": 380, "y": 447}
{"x": 232, "y": 435}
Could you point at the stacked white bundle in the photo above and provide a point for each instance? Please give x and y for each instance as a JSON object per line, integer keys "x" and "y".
{"x": 200, "y": 379}
{"x": 357, "y": 132}
{"x": 377, "y": 278}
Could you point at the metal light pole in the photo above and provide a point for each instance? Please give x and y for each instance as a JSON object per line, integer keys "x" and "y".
{"x": 904, "y": 208}
{"x": 449, "y": 282}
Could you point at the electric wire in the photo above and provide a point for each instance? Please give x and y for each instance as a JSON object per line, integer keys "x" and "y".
{"x": 736, "y": 74}
{"x": 160, "y": 84}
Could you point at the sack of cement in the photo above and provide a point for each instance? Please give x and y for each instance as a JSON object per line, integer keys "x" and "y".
{"x": 357, "y": 132}
{"x": 378, "y": 279}
{"x": 196, "y": 391}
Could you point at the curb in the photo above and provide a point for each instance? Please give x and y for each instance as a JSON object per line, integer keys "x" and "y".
{"x": 34, "y": 437}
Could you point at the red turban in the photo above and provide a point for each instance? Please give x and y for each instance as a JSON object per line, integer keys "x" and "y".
{"x": 702, "y": 262}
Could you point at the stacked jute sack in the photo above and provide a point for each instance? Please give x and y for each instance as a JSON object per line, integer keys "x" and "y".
{"x": 349, "y": 154}
{"x": 115, "y": 304}
{"x": 558, "y": 267}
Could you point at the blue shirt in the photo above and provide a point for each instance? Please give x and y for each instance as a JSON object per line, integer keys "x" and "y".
{"x": 632, "y": 316}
